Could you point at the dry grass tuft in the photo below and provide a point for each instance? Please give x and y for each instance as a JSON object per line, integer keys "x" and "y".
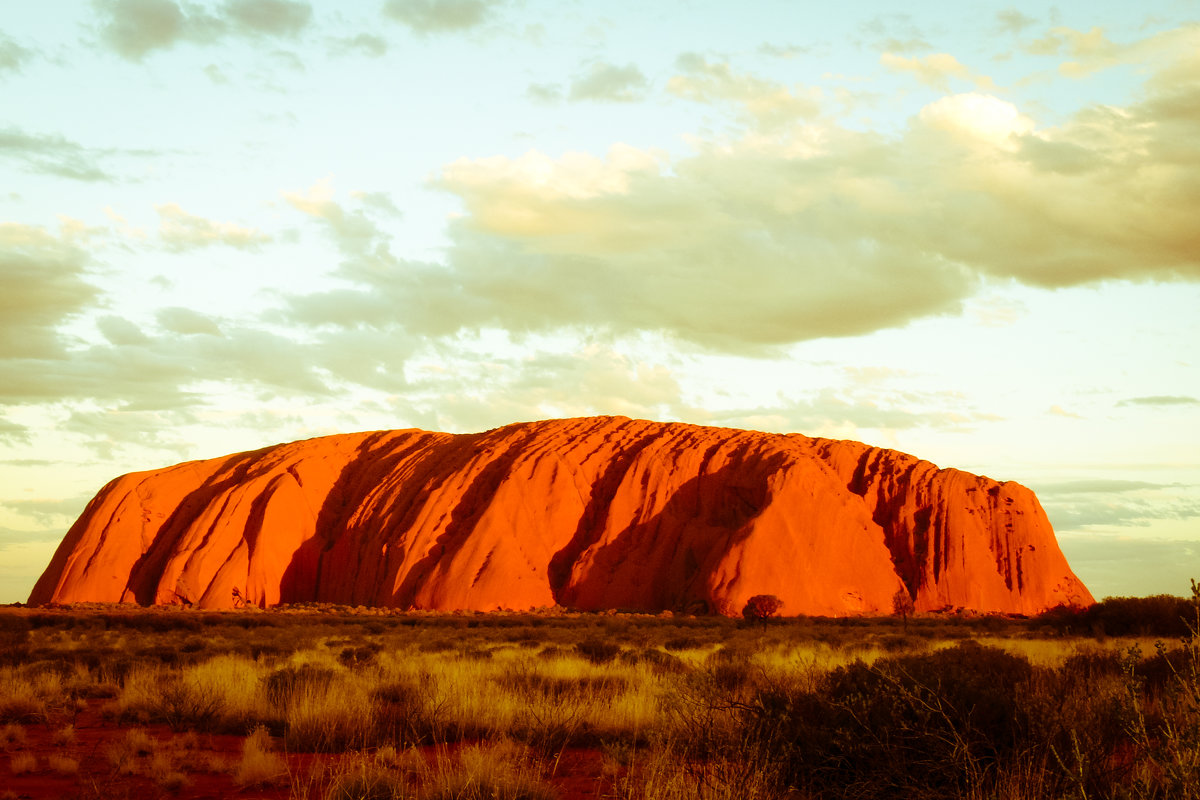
{"x": 22, "y": 762}
{"x": 65, "y": 736}
{"x": 260, "y": 764}
{"x": 126, "y": 756}
{"x": 501, "y": 771}
{"x": 12, "y": 737}
{"x": 63, "y": 765}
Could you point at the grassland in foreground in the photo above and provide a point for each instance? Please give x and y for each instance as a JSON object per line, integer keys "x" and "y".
{"x": 337, "y": 703}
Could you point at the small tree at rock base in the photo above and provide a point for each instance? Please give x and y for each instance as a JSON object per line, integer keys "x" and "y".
{"x": 902, "y": 604}
{"x": 761, "y": 607}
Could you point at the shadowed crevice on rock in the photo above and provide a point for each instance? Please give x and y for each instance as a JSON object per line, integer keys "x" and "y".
{"x": 313, "y": 574}
{"x": 147, "y": 572}
{"x": 595, "y": 514}
{"x": 667, "y": 560}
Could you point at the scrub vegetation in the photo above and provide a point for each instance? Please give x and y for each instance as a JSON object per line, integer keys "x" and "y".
{"x": 319, "y": 702}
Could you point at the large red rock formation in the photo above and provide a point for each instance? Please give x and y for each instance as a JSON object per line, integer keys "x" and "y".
{"x": 587, "y": 513}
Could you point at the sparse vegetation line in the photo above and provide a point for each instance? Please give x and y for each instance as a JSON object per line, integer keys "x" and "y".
{"x": 328, "y": 703}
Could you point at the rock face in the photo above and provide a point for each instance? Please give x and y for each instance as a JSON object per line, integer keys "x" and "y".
{"x": 589, "y": 513}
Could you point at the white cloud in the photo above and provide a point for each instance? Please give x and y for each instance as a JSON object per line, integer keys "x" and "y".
{"x": 765, "y": 104}
{"x": 981, "y": 117}
{"x": 609, "y": 83}
{"x": 815, "y": 231}
{"x": 935, "y": 70}
{"x": 181, "y": 231}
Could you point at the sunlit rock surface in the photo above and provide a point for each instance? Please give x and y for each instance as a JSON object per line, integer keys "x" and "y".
{"x": 591, "y": 513}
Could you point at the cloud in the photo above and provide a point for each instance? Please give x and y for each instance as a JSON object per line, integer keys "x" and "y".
{"x": 12, "y": 55}
{"x": 46, "y": 513}
{"x": 935, "y": 70}
{"x": 797, "y": 231}
{"x": 141, "y": 370}
{"x": 1091, "y": 503}
{"x": 187, "y": 322}
{"x": 53, "y": 155}
{"x": 12, "y": 432}
{"x": 1161, "y": 401}
{"x": 765, "y": 104}
{"x": 181, "y": 231}
{"x": 437, "y": 16}
{"x": 609, "y": 83}
{"x": 895, "y": 33}
{"x": 43, "y": 283}
{"x": 354, "y": 232}
{"x": 845, "y": 413}
{"x": 1091, "y": 51}
{"x": 1012, "y": 21}
{"x": 120, "y": 331}
{"x": 1097, "y": 486}
{"x": 783, "y": 50}
{"x": 1059, "y": 411}
{"x": 547, "y": 93}
{"x": 268, "y": 17}
{"x": 467, "y": 390}
{"x": 135, "y": 28}
{"x": 364, "y": 44}
{"x": 1124, "y": 566}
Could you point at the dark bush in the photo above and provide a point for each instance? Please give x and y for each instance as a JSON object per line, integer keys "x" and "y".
{"x": 658, "y": 661}
{"x": 363, "y": 654}
{"x": 598, "y": 651}
{"x": 1159, "y": 615}
{"x": 928, "y": 725}
{"x": 683, "y": 643}
{"x": 284, "y": 683}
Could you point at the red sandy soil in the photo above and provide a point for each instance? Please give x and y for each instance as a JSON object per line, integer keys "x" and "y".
{"x": 208, "y": 760}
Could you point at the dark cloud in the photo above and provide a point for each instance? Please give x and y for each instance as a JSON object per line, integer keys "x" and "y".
{"x": 12, "y": 55}
{"x": 268, "y": 17}
{"x": 53, "y": 155}
{"x": 48, "y": 512}
{"x": 1128, "y": 508}
{"x": 548, "y": 93}
{"x": 135, "y": 28}
{"x": 12, "y": 432}
{"x": 1161, "y": 401}
{"x": 187, "y": 322}
{"x": 364, "y": 44}
{"x": 610, "y": 83}
{"x": 10, "y": 537}
{"x": 1097, "y": 486}
{"x": 1116, "y": 566}
{"x": 120, "y": 331}
{"x": 437, "y": 16}
{"x": 43, "y": 283}
{"x": 135, "y": 370}
{"x": 1010, "y": 20}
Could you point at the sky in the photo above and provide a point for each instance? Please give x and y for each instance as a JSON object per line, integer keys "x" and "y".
{"x": 967, "y": 231}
